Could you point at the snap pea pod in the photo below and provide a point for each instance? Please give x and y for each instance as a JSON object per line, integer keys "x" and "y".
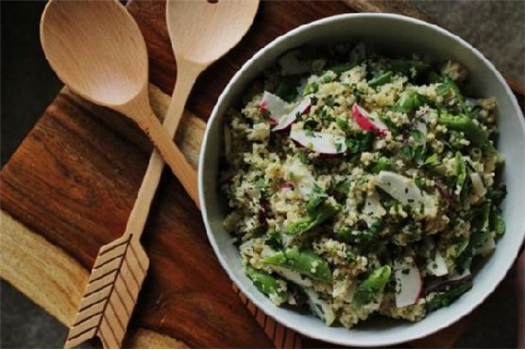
{"x": 409, "y": 102}
{"x": 371, "y": 287}
{"x": 303, "y": 261}
{"x": 443, "y": 299}
{"x": 310, "y": 88}
{"x": 472, "y": 131}
{"x": 381, "y": 80}
{"x": 314, "y": 218}
{"x": 381, "y": 164}
{"x": 479, "y": 235}
{"x": 448, "y": 86}
{"x": 266, "y": 283}
{"x": 497, "y": 224}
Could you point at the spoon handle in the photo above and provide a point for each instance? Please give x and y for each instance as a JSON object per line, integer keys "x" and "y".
{"x": 139, "y": 214}
{"x": 172, "y": 156}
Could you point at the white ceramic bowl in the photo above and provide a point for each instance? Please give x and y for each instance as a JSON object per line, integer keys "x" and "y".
{"x": 396, "y": 34}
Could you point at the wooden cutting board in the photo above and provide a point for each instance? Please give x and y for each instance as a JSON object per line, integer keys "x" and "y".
{"x": 70, "y": 187}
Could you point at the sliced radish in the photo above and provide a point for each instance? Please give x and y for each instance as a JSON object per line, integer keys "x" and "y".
{"x": 288, "y": 119}
{"x": 319, "y": 142}
{"x": 287, "y": 186}
{"x": 275, "y": 106}
{"x": 373, "y": 208}
{"x": 301, "y": 177}
{"x": 477, "y": 184}
{"x": 422, "y": 128}
{"x": 408, "y": 283}
{"x": 290, "y": 63}
{"x": 367, "y": 122}
{"x": 437, "y": 266}
{"x": 293, "y": 276}
{"x": 320, "y": 307}
{"x": 406, "y": 192}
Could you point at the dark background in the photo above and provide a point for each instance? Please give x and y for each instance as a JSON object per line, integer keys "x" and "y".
{"x": 28, "y": 85}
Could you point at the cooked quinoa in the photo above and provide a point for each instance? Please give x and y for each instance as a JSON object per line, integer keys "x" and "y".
{"x": 362, "y": 184}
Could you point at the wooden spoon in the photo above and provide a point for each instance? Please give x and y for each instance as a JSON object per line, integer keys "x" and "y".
{"x": 115, "y": 80}
{"x": 201, "y": 32}
{"x": 97, "y": 49}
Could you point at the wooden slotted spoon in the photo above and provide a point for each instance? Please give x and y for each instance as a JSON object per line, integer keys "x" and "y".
{"x": 121, "y": 265}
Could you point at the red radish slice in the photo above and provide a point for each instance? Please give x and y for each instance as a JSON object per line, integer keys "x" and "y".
{"x": 287, "y": 186}
{"x": 408, "y": 284}
{"x": 437, "y": 266}
{"x": 275, "y": 106}
{"x": 291, "y": 117}
{"x": 319, "y": 142}
{"x": 367, "y": 122}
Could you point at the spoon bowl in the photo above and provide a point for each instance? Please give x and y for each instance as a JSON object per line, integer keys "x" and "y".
{"x": 98, "y": 50}
{"x": 97, "y": 61}
{"x": 206, "y": 30}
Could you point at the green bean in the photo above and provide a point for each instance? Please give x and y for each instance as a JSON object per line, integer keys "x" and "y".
{"x": 497, "y": 224}
{"x": 304, "y": 261}
{"x": 497, "y": 194}
{"x": 409, "y": 102}
{"x": 310, "y": 88}
{"x": 381, "y": 80}
{"x": 342, "y": 187}
{"x": 381, "y": 164}
{"x": 443, "y": 299}
{"x": 474, "y": 133}
{"x": 315, "y": 217}
{"x": 449, "y": 86}
{"x": 479, "y": 235}
{"x": 266, "y": 283}
{"x": 371, "y": 287}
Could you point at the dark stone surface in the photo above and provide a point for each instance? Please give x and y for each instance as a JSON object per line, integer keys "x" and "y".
{"x": 497, "y": 28}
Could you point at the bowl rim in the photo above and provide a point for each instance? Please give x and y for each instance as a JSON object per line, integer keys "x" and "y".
{"x": 214, "y": 115}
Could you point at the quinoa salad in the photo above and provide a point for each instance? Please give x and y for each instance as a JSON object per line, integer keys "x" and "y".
{"x": 361, "y": 184}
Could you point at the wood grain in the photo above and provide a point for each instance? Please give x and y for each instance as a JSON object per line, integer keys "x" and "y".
{"x": 165, "y": 271}
{"x": 97, "y": 49}
{"x": 73, "y": 181}
{"x": 65, "y": 184}
{"x": 110, "y": 294}
{"x": 26, "y": 254}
